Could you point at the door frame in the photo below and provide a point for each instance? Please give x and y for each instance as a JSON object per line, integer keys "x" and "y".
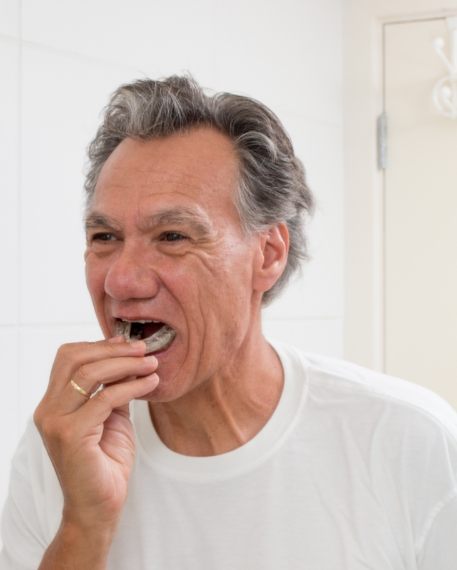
{"x": 363, "y": 102}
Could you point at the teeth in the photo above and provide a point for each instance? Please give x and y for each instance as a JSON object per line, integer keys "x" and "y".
{"x": 155, "y": 342}
{"x": 160, "y": 339}
{"x": 123, "y": 329}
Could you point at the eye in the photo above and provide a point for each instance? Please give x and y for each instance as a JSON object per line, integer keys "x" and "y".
{"x": 102, "y": 236}
{"x": 172, "y": 236}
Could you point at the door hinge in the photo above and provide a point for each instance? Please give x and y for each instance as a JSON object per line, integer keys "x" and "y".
{"x": 381, "y": 137}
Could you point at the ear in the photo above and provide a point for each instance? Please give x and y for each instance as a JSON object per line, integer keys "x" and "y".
{"x": 271, "y": 257}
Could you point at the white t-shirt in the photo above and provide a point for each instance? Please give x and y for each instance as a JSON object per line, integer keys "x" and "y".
{"x": 354, "y": 470}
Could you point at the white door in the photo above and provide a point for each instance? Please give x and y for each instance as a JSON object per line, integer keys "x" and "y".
{"x": 420, "y": 213}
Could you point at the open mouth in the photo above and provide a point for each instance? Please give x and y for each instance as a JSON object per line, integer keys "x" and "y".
{"x": 156, "y": 335}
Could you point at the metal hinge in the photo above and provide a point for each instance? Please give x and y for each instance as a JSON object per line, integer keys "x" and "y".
{"x": 381, "y": 136}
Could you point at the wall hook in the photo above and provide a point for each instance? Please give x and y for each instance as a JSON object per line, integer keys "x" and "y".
{"x": 445, "y": 90}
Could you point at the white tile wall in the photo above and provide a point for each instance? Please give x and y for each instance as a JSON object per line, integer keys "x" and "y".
{"x": 62, "y": 99}
{"x": 159, "y": 36}
{"x": 9, "y": 401}
{"x": 319, "y": 291}
{"x": 9, "y": 168}
{"x": 37, "y": 349}
{"x": 323, "y": 336}
{"x": 70, "y": 56}
{"x": 286, "y": 49}
{"x": 256, "y": 47}
{"x": 9, "y": 17}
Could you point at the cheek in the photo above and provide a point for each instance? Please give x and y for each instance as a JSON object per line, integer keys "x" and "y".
{"x": 95, "y": 278}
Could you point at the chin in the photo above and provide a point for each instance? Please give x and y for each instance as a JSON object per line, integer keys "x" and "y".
{"x": 161, "y": 394}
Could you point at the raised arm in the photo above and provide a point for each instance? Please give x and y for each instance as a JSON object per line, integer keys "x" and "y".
{"x": 90, "y": 442}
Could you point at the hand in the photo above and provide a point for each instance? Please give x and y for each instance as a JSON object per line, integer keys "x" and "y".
{"x": 90, "y": 441}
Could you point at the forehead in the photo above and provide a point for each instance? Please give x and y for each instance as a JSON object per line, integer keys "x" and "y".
{"x": 197, "y": 169}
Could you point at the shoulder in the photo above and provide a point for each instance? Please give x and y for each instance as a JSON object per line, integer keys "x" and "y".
{"x": 404, "y": 436}
{"x": 378, "y": 391}
{"x": 341, "y": 383}
{"x": 375, "y": 407}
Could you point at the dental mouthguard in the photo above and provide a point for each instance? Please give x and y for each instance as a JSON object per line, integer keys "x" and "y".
{"x": 135, "y": 330}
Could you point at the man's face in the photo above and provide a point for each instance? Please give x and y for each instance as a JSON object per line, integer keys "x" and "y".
{"x": 164, "y": 243}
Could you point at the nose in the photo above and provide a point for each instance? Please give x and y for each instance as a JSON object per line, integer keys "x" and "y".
{"x": 131, "y": 275}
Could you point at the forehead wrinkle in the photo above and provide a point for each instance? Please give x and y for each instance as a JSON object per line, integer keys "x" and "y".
{"x": 180, "y": 216}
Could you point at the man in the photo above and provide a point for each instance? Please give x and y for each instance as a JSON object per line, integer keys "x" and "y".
{"x": 234, "y": 454}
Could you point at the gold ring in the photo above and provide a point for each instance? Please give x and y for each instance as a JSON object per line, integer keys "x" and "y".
{"x": 78, "y": 388}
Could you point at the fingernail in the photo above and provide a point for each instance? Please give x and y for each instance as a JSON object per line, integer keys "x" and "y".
{"x": 154, "y": 377}
{"x": 151, "y": 358}
{"x": 138, "y": 344}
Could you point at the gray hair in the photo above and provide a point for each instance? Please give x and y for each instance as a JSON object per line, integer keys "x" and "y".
{"x": 272, "y": 186}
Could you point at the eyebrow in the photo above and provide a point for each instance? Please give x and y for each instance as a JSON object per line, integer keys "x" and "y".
{"x": 171, "y": 216}
{"x": 96, "y": 220}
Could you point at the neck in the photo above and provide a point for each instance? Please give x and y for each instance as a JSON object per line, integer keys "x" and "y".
{"x": 228, "y": 409}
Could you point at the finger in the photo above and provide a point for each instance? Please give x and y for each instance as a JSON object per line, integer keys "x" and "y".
{"x": 73, "y": 355}
{"x": 116, "y": 339}
{"x": 98, "y": 409}
{"x": 111, "y": 370}
{"x": 89, "y": 377}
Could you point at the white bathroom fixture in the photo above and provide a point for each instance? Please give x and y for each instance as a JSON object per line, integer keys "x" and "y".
{"x": 445, "y": 90}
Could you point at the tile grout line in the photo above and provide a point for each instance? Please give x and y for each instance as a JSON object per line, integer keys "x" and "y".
{"x": 74, "y": 324}
{"x": 25, "y": 325}
{"x": 9, "y": 37}
{"x": 131, "y": 67}
{"x": 19, "y": 215}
